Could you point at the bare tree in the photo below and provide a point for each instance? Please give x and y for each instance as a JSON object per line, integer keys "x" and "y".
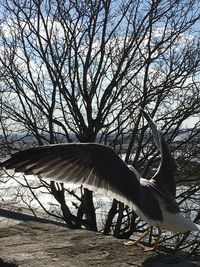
{"x": 81, "y": 70}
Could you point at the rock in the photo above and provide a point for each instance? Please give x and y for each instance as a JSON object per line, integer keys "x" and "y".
{"x": 29, "y": 244}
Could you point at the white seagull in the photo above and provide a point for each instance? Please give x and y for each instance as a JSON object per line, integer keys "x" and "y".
{"x": 96, "y": 166}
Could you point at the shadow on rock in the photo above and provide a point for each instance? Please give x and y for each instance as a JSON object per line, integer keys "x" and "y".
{"x": 7, "y": 264}
{"x": 170, "y": 260}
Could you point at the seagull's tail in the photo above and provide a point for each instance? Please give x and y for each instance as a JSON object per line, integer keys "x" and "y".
{"x": 178, "y": 223}
{"x": 188, "y": 225}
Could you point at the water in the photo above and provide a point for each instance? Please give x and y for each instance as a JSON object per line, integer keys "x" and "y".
{"x": 21, "y": 197}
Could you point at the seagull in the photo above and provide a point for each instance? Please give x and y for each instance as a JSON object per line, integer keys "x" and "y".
{"x": 97, "y": 167}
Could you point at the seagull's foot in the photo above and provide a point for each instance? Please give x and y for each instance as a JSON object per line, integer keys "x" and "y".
{"x": 150, "y": 249}
{"x": 130, "y": 243}
{"x": 133, "y": 243}
{"x": 146, "y": 249}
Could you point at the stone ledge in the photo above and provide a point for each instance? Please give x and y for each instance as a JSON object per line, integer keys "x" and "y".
{"x": 35, "y": 244}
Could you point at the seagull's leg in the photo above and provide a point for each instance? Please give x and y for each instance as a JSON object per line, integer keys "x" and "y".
{"x": 132, "y": 243}
{"x": 147, "y": 249}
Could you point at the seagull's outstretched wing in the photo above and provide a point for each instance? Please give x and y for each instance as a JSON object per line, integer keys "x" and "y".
{"x": 164, "y": 177}
{"x": 91, "y": 165}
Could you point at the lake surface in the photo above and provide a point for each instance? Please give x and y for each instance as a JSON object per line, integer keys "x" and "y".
{"x": 21, "y": 197}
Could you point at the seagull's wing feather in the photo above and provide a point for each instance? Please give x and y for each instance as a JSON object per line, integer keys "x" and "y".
{"x": 164, "y": 177}
{"x": 90, "y": 165}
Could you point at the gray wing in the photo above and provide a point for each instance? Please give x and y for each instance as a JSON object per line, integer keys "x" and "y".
{"x": 90, "y": 165}
{"x": 164, "y": 177}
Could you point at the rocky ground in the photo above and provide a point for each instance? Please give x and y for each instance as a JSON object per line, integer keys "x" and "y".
{"x": 37, "y": 244}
